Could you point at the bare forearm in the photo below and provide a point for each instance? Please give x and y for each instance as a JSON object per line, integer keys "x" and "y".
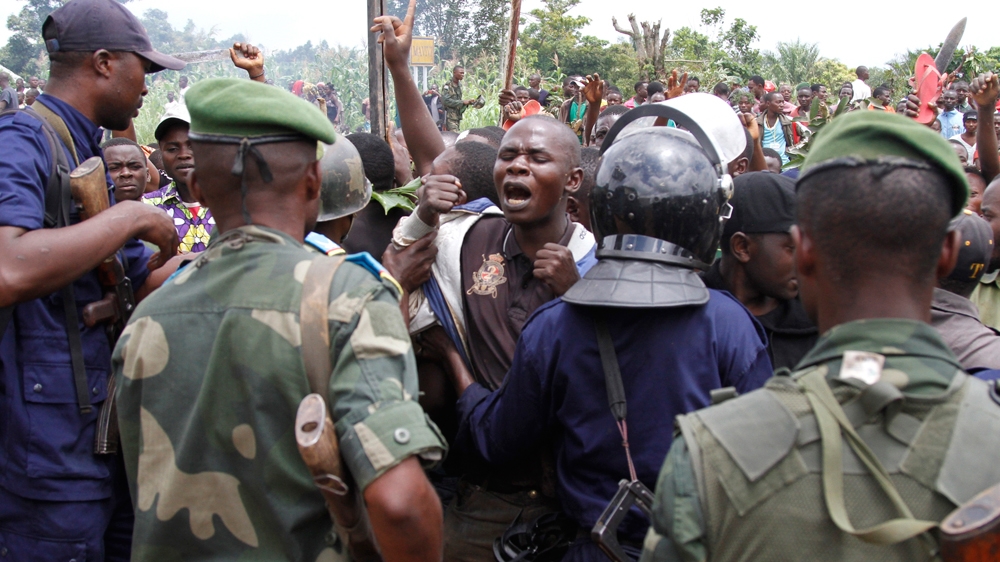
{"x": 422, "y": 137}
{"x": 405, "y": 513}
{"x": 593, "y": 112}
{"x": 758, "y": 163}
{"x": 986, "y": 143}
{"x": 38, "y": 262}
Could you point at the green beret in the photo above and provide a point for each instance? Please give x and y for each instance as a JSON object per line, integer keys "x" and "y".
{"x": 227, "y": 107}
{"x": 869, "y": 136}
{"x": 802, "y": 85}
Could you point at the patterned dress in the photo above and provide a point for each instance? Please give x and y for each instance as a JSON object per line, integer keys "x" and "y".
{"x": 194, "y": 222}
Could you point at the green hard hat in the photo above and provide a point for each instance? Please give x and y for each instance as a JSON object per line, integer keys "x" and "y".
{"x": 345, "y": 189}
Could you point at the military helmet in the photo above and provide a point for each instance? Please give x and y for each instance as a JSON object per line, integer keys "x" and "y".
{"x": 345, "y": 189}
{"x": 660, "y": 183}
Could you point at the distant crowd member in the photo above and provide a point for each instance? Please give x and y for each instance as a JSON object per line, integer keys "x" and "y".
{"x": 454, "y": 104}
{"x": 861, "y": 90}
{"x": 757, "y": 265}
{"x": 882, "y": 101}
{"x": 756, "y": 86}
{"x": 614, "y": 97}
{"x": 171, "y": 104}
{"x": 30, "y": 96}
{"x": 655, "y": 92}
{"x": 126, "y": 164}
{"x": 950, "y": 119}
{"x": 786, "y": 92}
{"x": 535, "y": 83}
{"x": 819, "y": 91}
{"x": 804, "y": 97}
{"x": 953, "y": 315}
{"x": 970, "y": 122}
{"x": 640, "y": 95}
{"x": 194, "y": 222}
{"x": 773, "y": 160}
{"x": 960, "y": 151}
{"x": 432, "y": 99}
{"x": 961, "y": 88}
{"x": 778, "y": 130}
{"x": 721, "y": 90}
{"x": 987, "y": 294}
{"x": 8, "y": 96}
{"x": 977, "y": 185}
{"x": 693, "y": 85}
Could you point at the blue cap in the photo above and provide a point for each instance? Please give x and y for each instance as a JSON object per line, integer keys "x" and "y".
{"x": 91, "y": 25}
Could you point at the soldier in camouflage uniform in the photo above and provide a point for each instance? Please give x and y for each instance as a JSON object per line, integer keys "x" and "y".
{"x": 210, "y": 373}
{"x": 879, "y": 433}
{"x": 451, "y": 97}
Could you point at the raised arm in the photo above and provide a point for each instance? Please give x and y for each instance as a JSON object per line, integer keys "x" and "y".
{"x": 421, "y": 134}
{"x": 249, "y": 58}
{"x": 593, "y": 91}
{"x": 985, "y": 88}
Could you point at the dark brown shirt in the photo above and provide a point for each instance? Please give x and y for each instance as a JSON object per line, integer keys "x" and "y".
{"x": 500, "y": 295}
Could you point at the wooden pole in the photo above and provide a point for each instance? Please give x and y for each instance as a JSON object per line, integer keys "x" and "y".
{"x": 377, "y": 90}
{"x": 515, "y": 20}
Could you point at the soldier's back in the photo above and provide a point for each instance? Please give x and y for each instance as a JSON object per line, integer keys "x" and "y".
{"x": 210, "y": 378}
{"x": 758, "y": 460}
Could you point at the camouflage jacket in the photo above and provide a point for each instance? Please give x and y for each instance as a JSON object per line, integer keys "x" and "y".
{"x": 451, "y": 97}
{"x": 209, "y": 380}
{"x": 687, "y": 514}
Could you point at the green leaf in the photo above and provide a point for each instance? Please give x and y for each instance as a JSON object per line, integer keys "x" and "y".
{"x": 403, "y": 197}
{"x": 814, "y": 108}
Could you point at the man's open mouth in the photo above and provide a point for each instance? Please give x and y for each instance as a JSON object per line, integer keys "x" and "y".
{"x": 516, "y": 196}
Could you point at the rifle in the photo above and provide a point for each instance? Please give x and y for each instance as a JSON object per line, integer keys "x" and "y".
{"x": 90, "y": 193}
{"x": 971, "y": 533}
{"x": 317, "y": 441}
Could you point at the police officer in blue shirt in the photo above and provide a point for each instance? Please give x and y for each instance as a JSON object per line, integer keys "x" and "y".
{"x": 657, "y": 207}
{"x": 58, "y": 500}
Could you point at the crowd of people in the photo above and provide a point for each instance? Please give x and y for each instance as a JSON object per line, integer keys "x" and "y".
{"x": 677, "y": 325}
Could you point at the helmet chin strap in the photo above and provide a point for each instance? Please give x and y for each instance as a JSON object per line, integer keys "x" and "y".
{"x": 647, "y": 248}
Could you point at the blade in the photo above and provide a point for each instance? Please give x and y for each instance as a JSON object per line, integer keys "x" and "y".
{"x": 948, "y": 47}
{"x": 196, "y": 57}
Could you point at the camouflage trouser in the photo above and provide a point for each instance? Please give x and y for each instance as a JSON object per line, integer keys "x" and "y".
{"x": 452, "y": 123}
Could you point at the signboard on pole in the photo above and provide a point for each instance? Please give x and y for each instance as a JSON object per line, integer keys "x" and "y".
{"x": 422, "y": 51}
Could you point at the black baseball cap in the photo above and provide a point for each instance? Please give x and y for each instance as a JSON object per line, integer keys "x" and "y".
{"x": 91, "y": 25}
{"x": 976, "y": 248}
{"x": 762, "y": 203}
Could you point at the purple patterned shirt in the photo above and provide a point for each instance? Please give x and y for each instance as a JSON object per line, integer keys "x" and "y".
{"x": 193, "y": 221}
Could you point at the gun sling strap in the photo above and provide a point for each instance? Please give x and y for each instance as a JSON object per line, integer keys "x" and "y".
{"x": 613, "y": 382}
{"x": 58, "y": 203}
{"x": 314, "y": 322}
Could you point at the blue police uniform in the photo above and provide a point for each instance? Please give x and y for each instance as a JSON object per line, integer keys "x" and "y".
{"x": 670, "y": 358}
{"x": 58, "y": 501}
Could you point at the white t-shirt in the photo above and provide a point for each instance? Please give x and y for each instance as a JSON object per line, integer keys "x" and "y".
{"x": 861, "y": 90}
{"x": 970, "y": 148}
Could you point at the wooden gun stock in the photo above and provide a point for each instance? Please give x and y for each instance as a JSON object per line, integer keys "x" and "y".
{"x": 317, "y": 441}
{"x": 971, "y": 533}
{"x": 87, "y": 183}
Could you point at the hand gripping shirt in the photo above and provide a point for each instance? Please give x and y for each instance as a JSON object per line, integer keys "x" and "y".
{"x": 210, "y": 378}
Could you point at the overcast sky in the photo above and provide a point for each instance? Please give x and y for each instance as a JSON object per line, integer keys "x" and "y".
{"x": 867, "y": 36}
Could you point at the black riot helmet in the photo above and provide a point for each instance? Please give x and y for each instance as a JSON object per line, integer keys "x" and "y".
{"x": 660, "y": 193}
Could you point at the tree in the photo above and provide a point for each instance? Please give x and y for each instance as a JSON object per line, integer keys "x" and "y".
{"x": 554, "y": 33}
{"x": 734, "y": 45}
{"x": 831, "y": 73}
{"x": 794, "y": 62}
{"x": 24, "y": 52}
{"x": 650, "y": 47}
